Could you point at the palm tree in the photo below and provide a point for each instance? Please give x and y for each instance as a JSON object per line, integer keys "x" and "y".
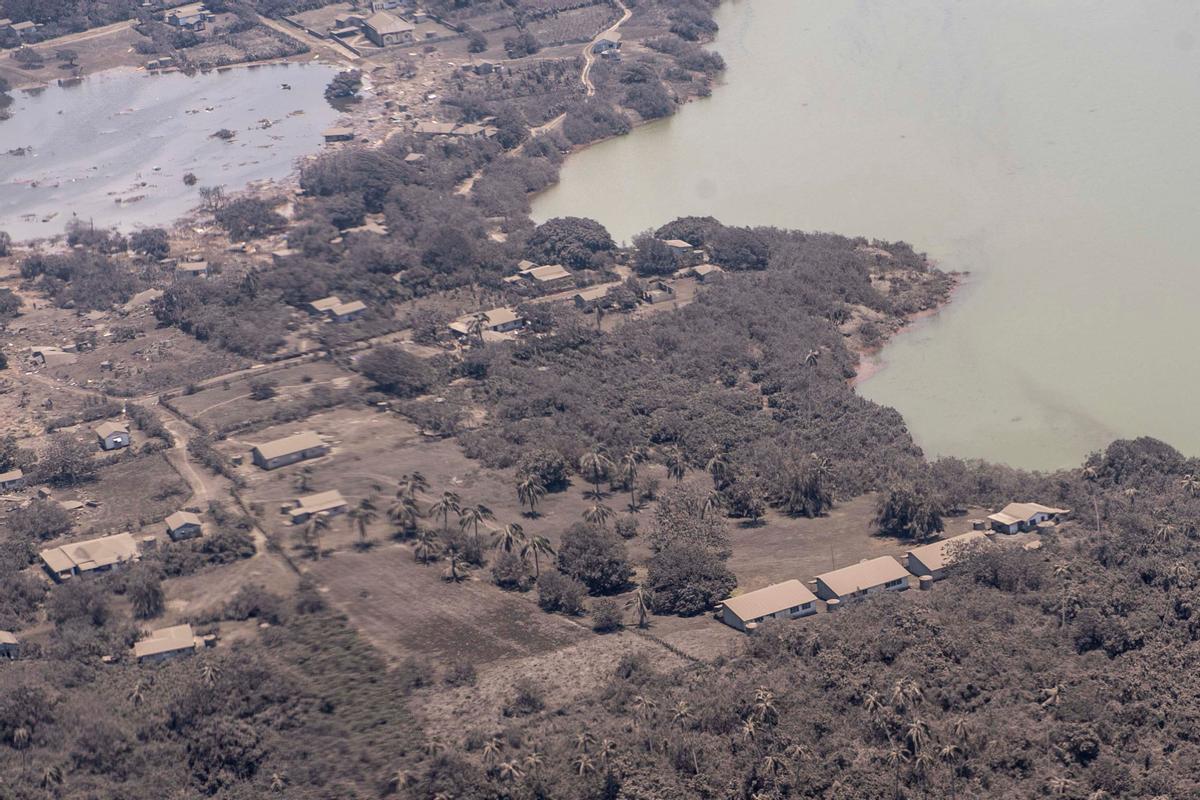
{"x": 210, "y": 673}
{"x": 594, "y": 465}
{"x": 510, "y": 771}
{"x": 404, "y": 512}
{"x": 606, "y": 750}
{"x": 136, "y": 696}
{"x": 583, "y": 764}
{"x": 412, "y": 485}
{"x": 425, "y": 546}
{"x": 917, "y": 735}
{"x": 52, "y": 777}
{"x": 641, "y": 603}
{"x": 533, "y": 761}
{"x": 530, "y": 492}
{"x": 454, "y": 564}
{"x": 714, "y": 501}
{"x": 675, "y": 463}
{"x": 317, "y": 524}
{"x": 303, "y": 479}
{"x": 811, "y": 358}
{"x": 510, "y": 538}
{"x": 950, "y": 754}
{"x": 277, "y": 782}
{"x": 491, "y": 750}
{"x": 764, "y": 706}
{"x": 897, "y": 757}
{"x": 922, "y": 766}
{"x": 1062, "y": 571}
{"x": 643, "y": 706}
{"x": 598, "y": 514}
{"x": 1092, "y": 476}
{"x": 681, "y": 713}
{"x": 361, "y": 517}
{"x": 584, "y": 741}
{"x": 629, "y": 475}
{"x": 906, "y": 693}
{"x": 1190, "y": 484}
{"x": 537, "y": 545}
{"x": 1060, "y": 785}
{"x": 446, "y": 505}
{"x": 718, "y": 470}
{"x": 477, "y": 326}
{"x": 1164, "y": 531}
{"x": 472, "y": 516}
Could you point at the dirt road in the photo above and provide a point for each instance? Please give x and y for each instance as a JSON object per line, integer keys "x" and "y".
{"x": 589, "y": 58}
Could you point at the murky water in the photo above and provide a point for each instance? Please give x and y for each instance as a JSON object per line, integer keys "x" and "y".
{"x": 1049, "y": 148}
{"x": 114, "y": 149}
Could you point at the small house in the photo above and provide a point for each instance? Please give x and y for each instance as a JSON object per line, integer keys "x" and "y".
{"x": 702, "y": 272}
{"x": 589, "y": 299}
{"x": 348, "y": 312}
{"x": 192, "y": 269}
{"x": 167, "y": 643}
{"x": 413, "y": 158}
{"x": 932, "y": 559}
{"x": 194, "y": 21}
{"x": 547, "y": 275}
{"x": 338, "y": 134}
{"x": 50, "y": 356}
{"x": 1018, "y": 517}
{"x": 870, "y": 576}
{"x": 183, "y": 525}
{"x": 434, "y": 128}
{"x": 289, "y": 450}
{"x": 330, "y": 503}
{"x": 787, "y": 600}
{"x": 112, "y": 435}
{"x": 323, "y": 306}
{"x": 386, "y": 30}
{"x": 678, "y": 246}
{"x": 658, "y": 292}
{"x": 95, "y": 555}
{"x": 10, "y": 648}
{"x": 496, "y": 320}
{"x": 13, "y": 479}
{"x": 607, "y": 41}
{"x": 22, "y": 29}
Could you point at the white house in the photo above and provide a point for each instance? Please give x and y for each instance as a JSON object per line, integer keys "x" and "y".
{"x": 112, "y": 435}
{"x": 13, "y": 479}
{"x": 932, "y": 559}
{"x": 606, "y": 42}
{"x": 787, "y": 600}
{"x": 167, "y": 643}
{"x": 869, "y": 576}
{"x": 95, "y": 555}
{"x": 330, "y": 502}
{"x": 1016, "y": 517}
{"x": 289, "y": 450}
{"x": 10, "y": 648}
{"x": 183, "y": 525}
{"x": 497, "y": 320}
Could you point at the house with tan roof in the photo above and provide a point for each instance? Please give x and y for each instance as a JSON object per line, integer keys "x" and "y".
{"x": 932, "y": 559}
{"x": 95, "y": 555}
{"x": 546, "y": 275}
{"x": 348, "y": 312}
{"x": 434, "y": 128}
{"x": 112, "y": 435}
{"x": 1017, "y": 517}
{"x": 387, "y": 30}
{"x": 323, "y": 305}
{"x": 167, "y": 643}
{"x": 787, "y": 600}
{"x": 330, "y": 503}
{"x": 496, "y": 320}
{"x": 289, "y": 450}
{"x": 869, "y": 576}
{"x": 588, "y": 299}
{"x": 13, "y": 479}
{"x": 50, "y": 356}
{"x": 183, "y": 525}
{"x": 192, "y": 269}
{"x": 10, "y": 648}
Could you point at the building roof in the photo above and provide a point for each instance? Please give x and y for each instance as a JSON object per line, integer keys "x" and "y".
{"x": 777, "y": 597}
{"x": 468, "y": 129}
{"x": 609, "y": 36}
{"x": 382, "y": 22}
{"x": 937, "y": 555}
{"x": 319, "y": 502}
{"x": 192, "y": 266}
{"x": 166, "y": 640}
{"x": 353, "y": 306}
{"x": 326, "y": 303}
{"x": 181, "y": 518}
{"x": 435, "y": 128}
{"x": 546, "y": 273}
{"x": 706, "y": 269}
{"x": 7, "y": 637}
{"x": 594, "y": 293}
{"x": 863, "y": 575}
{"x": 1013, "y": 513}
{"x": 290, "y": 444}
{"x": 24, "y": 26}
{"x": 411, "y": 157}
{"x": 92, "y": 554}
{"x": 678, "y": 243}
{"x": 106, "y": 429}
{"x": 11, "y": 475}
{"x": 338, "y": 131}
{"x": 495, "y": 318}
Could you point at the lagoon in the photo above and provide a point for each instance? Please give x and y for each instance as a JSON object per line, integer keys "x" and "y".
{"x": 113, "y": 149}
{"x": 1046, "y": 148}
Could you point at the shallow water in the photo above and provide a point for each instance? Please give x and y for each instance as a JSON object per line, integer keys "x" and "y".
{"x": 1049, "y": 148}
{"x": 123, "y": 135}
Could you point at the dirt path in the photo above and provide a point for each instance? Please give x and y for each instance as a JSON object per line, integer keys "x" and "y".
{"x": 340, "y": 53}
{"x": 589, "y": 58}
{"x": 83, "y": 36}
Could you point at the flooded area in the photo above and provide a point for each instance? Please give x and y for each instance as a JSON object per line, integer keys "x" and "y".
{"x": 114, "y": 149}
{"x": 1048, "y": 148}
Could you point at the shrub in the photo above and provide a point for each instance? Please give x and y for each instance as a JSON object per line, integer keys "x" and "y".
{"x": 254, "y": 601}
{"x": 396, "y": 371}
{"x": 528, "y": 698}
{"x": 560, "y": 593}
{"x": 688, "y": 580}
{"x": 460, "y": 673}
{"x": 626, "y": 526}
{"x": 548, "y": 466}
{"x": 606, "y": 616}
{"x": 595, "y": 556}
{"x": 510, "y": 571}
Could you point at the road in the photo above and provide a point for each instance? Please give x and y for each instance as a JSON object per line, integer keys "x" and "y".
{"x": 83, "y": 36}
{"x": 589, "y": 58}
{"x": 339, "y": 52}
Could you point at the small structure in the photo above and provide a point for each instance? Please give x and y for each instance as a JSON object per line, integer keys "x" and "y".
{"x": 289, "y": 450}
{"x": 386, "y": 30}
{"x": 183, "y": 525}
{"x": 608, "y": 41}
{"x": 95, "y": 555}
{"x": 658, "y": 292}
{"x": 434, "y": 128}
{"x": 496, "y": 320}
{"x": 51, "y": 356}
{"x": 330, "y": 503}
{"x": 1018, "y": 517}
{"x": 348, "y": 312}
{"x": 413, "y": 158}
{"x": 678, "y": 246}
{"x": 167, "y": 643}
{"x": 20, "y": 29}
{"x": 883, "y": 574}
{"x": 13, "y": 479}
{"x": 112, "y": 435}
{"x": 592, "y": 298}
{"x": 10, "y": 648}
{"x": 338, "y": 134}
{"x": 546, "y": 276}
{"x": 702, "y": 272}
{"x": 932, "y": 559}
{"x": 189, "y": 19}
{"x": 192, "y": 269}
{"x": 787, "y": 600}
{"x": 323, "y": 305}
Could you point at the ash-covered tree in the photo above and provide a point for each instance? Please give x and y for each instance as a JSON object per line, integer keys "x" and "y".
{"x": 396, "y": 371}
{"x": 687, "y": 580}
{"x": 344, "y": 86}
{"x": 596, "y": 556}
{"x": 739, "y": 249}
{"x": 652, "y": 256}
{"x": 143, "y": 587}
{"x": 66, "y": 460}
{"x": 575, "y": 242}
{"x": 152, "y": 242}
{"x": 249, "y": 218}
{"x": 909, "y": 511}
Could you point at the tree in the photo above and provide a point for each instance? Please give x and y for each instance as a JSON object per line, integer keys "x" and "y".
{"x": 143, "y": 587}
{"x": 675, "y": 462}
{"x": 68, "y": 55}
{"x": 405, "y": 512}
{"x": 537, "y": 545}
{"x": 66, "y": 460}
{"x": 909, "y": 512}
{"x": 425, "y": 546}
{"x": 511, "y": 538}
{"x": 652, "y": 256}
{"x": 641, "y": 603}
{"x": 476, "y": 41}
{"x": 396, "y": 371}
{"x": 249, "y": 218}
{"x": 345, "y": 85}
{"x": 560, "y": 593}
{"x": 594, "y": 465}
{"x": 595, "y": 556}
{"x": 446, "y": 505}
{"x": 361, "y": 516}
{"x": 473, "y": 516}
{"x": 574, "y": 242}
{"x": 628, "y": 475}
{"x": 530, "y": 492}
{"x": 687, "y": 581}
{"x": 316, "y": 525}
{"x": 411, "y": 485}
{"x": 152, "y": 242}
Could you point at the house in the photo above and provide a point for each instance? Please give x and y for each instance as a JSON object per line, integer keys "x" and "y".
{"x": 339, "y": 134}
{"x": 193, "y": 21}
{"x": 497, "y": 320}
{"x": 192, "y": 269}
{"x": 289, "y": 450}
{"x": 606, "y": 42}
{"x": 13, "y": 479}
{"x": 434, "y": 128}
{"x": 10, "y": 648}
{"x": 330, "y": 503}
{"x": 20, "y": 29}
{"x": 932, "y": 559}
{"x": 589, "y": 299}
{"x": 95, "y": 555}
{"x": 702, "y": 272}
{"x": 1016, "y": 517}
{"x": 167, "y": 643}
{"x": 112, "y": 435}
{"x": 859, "y": 580}
{"x": 183, "y": 525}
{"x": 678, "y": 246}
{"x": 49, "y": 356}
{"x": 658, "y": 292}
{"x": 413, "y": 158}
{"x": 323, "y": 305}
{"x": 547, "y": 275}
{"x": 347, "y": 312}
{"x": 386, "y": 30}
{"x": 787, "y": 600}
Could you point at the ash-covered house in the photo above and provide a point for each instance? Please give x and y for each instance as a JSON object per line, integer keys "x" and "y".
{"x": 496, "y": 320}
{"x": 348, "y": 312}
{"x": 870, "y": 576}
{"x": 10, "y": 648}
{"x": 13, "y": 479}
{"x": 183, "y": 525}
{"x": 304, "y": 508}
{"x": 608, "y": 41}
{"x": 387, "y": 30}
{"x": 112, "y": 435}
{"x": 787, "y": 600}
{"x": 95, "y": 555}
{"x": 289, "y": 450}
{"x": 932, "y": 559}
{"x": 1018, "y": 517}
{"x": 167, "y": 643}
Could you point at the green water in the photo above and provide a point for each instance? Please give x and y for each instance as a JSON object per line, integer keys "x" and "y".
{"x": 1048, "y": 148}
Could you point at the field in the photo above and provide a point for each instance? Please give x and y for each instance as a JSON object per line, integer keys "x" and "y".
{"x": 99, "y": 49}
{"x": 135, "y": 492}
{"x": 576, "y": 26}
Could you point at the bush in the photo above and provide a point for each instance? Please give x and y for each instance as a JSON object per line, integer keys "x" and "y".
{"x": 510, "y": 571}
{"x": 396, "y": 371}
{"x": 254, "y": 601}
{"x": 909, "y": 512}
{"x": 528, "y": 698}
{"x": 606, "y": 616}
{"x": 687, "y": 580}
{"x": 460, "y": 673}
{"x": 626, "y": 526}
{"x": 548, "y": 466}
{"x": 143, "y": 587}
{"x": 650, "y": 100}
{"x": 560, "y": 593}
{"x": 595, "y": 556}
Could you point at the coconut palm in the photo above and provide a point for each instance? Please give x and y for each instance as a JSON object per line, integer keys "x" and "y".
{"x": 361, "y": 517}
{"x": 316, "y": 525}
{"x": 641, "y": 603}
{"x": 425, "y": 546}
{"x": 303, "y": 479}
{"x": 764, "y": 709}
{"x": 917, "y": 735}
{"x": 537, "y": 545}
{"x": 718, "y": 469}
{"x": 897, "y": 757}
{"x": 277, "y": 782}
{"x": 136, "y": 695}
{"x": 1060, "y": 786}
{"x": 1092, "y": 476}
{"x": 811, "y": 358}
{"x": 681, "y": 713}
{"x": 643, "y": 706}
{"x": 906, "y": 693}
{"x": 598, "y": 514}
{"x": 52, "y": 777}
{"x": 449, "y": 503}
{"x": 530, "y": 492}
{"x": 606, "y": 750}
{"x": 455, "y": 565}
{"x": 210, "y": 673}
{"x": 510, "y": 538}
{"x": 477, "y": 326}
{"x": 584, "y": 742}
{"x": 410, "y": 485}
{"x": 1164, "y": 531}
{"x": 404, "y": 512}
{"x": 949, "y": 754}
{"x": 713, "y": 501}
{"x": 473, "y": 516}
{"x": 595, "y": 465}
{"x": 491, "y": 750}
{"x": 583, "y": 764}
{"x": 20, "y": 737}
{"x": 628, "y": 474}
{"x": 675, "y": 463}
{"x": 510, "y": 771}
{"x": 533, "y": 761}
{"x": 1190, "y": 484}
